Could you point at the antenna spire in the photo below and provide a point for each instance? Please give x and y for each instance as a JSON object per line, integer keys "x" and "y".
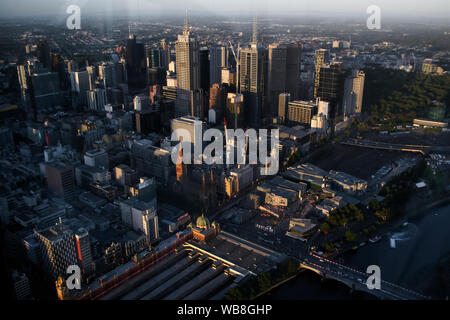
{"x": 255, "y": 30}
{"x": 186, "y": 22}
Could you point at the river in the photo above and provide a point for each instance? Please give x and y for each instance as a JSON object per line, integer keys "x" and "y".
{"x": 420, "y": 245}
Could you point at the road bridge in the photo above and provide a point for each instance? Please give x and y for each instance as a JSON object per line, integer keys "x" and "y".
{"x": 363, "y": 143}
{"x": 356, "y": 279}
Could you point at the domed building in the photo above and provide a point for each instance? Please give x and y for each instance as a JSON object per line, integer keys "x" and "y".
{"x": 203, "y": 229}
{"x": 202, "y": 222}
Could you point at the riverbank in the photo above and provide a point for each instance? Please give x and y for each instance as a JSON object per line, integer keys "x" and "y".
{"x": 384, "y": 229}
{"x": 308, "y": 285}
{"x": 278, "y": 284}
{"x": 419, "y": 258}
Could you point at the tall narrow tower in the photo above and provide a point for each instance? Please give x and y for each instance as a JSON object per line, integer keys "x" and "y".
{"x": 255, "y": 31}
{"x": 252, "y": 79}
{"x": 322, "y": 56}
{"x": 188, "y": 69}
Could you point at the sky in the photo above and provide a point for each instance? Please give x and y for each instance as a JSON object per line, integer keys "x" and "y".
{"x": 351, "y": 8}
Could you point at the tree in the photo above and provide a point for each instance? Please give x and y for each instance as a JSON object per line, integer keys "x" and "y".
{"x": 294, "y": 157}
{"x": 362, "y": 127}
{"x": 235, "y": 293}
{"x": 374, "y": 205}
{"x": 264, "y": 281}
{"x": 383, "y": 214}
{"x": 325, "y": 227}
{"x": 350, "y": 236}
{"x": 329, "y": 247}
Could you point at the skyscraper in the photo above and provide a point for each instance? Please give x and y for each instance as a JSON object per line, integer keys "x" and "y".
{"x": 277, "y": 73}
{"x": 283, "y": 102}
{"x": 23, "y": 76}
{"x": 72, "y": 66}
{"x": 198, "y": 103}
{"x": 330, "y": 88}
{"x": 165, "y": 54}
{"x": 80, "y": 85}
{"x": 188, "y": 70}
{"x": 353, "y": 93}
{"x": 58, "y": 250}
{"x": 217, "y": 101}
{"x": 105, "y": 73}
{"x": 322, "y": 57}
{"x": 154, "y": 57}
{"x": 252, "y": 79}
{"x": 136, "y": 64}
{"x": 43, "y": 53}
{"x": 283, "y": 72}
{"x": 224, "y": 59}
{"x": 58, "y": 67}
{"x": 215, "y": 63}
{"x": 293, "y": 60}
{"x": 92, "y": 73}
{"x": 45, "y": 89}
{"x": 205, "y": 69}
{"x": 96, "y": 99}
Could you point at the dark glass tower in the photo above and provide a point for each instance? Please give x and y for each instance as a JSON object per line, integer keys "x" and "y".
{"x": 43, "y": 54}
{"x": 330, "y": 89}
{"x": 136, "y": 65}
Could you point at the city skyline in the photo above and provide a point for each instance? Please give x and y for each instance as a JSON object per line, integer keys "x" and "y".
{"x": 117, "y": 182}
{"x": 353, "y": 9}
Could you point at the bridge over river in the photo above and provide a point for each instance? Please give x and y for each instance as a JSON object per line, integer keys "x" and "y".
{"x": 356, "y": 279}
{"x": 363, "y": 143}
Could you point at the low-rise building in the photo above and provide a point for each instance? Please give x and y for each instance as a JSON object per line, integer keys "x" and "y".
{"x": 300, "y": 228}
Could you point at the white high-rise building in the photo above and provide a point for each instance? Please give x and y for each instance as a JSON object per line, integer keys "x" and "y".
{"x": 323, "y": 108}
{"x": 145, "y": 220}
{"x": 353, "y": 93}
{"x": 319, "y": 123}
